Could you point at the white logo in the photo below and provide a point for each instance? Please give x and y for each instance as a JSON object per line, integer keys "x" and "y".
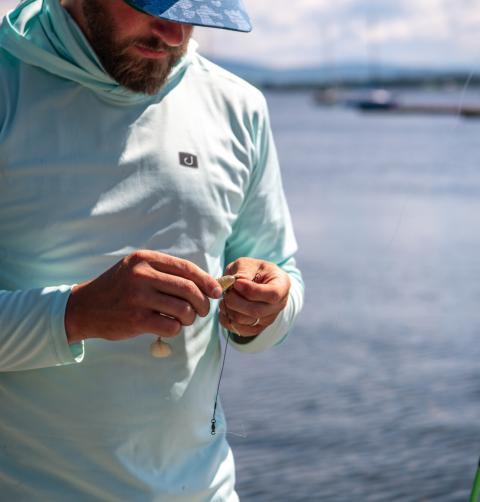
{"x": 188, "y": 160}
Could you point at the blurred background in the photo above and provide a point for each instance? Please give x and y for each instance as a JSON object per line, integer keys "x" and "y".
{"x": 375, "y": 395}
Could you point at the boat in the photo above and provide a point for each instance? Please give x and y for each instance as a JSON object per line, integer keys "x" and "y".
{"x": 376, "y": 100}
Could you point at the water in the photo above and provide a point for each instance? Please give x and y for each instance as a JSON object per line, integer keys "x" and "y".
{"x": 376, "y": 394}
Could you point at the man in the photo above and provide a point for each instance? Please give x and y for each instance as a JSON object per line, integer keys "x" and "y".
{"x": 133, "y": 172}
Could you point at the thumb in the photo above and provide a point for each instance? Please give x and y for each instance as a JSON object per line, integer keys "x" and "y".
{"x": 245, "y": 268}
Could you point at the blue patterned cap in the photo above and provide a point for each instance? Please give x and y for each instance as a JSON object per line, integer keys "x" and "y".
{"x": 227, "y": 14}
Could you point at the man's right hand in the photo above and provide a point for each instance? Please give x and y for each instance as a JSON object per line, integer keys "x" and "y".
{"x": 130, "y": 298}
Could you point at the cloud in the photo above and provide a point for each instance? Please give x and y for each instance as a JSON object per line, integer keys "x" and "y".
{"x": 309, "y": 32}
{"x": 428, "y": 32}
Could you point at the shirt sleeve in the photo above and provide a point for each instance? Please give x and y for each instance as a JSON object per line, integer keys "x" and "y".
{"x": 32, "y": 330}
{"x": 264, "y": 230}
{"x": 3, "y": 100}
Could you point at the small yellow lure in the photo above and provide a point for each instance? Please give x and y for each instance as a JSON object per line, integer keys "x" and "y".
{"x": 226, "y": 282}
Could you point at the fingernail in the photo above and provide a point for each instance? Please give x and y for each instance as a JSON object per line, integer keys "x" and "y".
{"x": 217, "y": 292}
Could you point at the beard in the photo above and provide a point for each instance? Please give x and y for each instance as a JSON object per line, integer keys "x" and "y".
{"x": 138, "y": 74}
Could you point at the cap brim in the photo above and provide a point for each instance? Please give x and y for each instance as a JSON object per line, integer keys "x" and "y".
{"x": 223, "y": 14}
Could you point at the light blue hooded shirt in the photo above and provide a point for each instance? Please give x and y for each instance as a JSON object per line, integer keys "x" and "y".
{"x": 90, "y": 172}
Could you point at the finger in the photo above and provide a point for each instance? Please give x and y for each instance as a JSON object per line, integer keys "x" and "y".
{"x": 239, "y": 329}
{"x": 236, "y": 317}
{"x": 244, "y": 268}
{"x": 226, "y": 322}
{"x": 188, "y": 270}
{"x": 160, "y": 325}
{"x": 171, "y": 306}
{"x": 233, "y": 301}
{"x": 240, "y": 319}
{"x": 273, "y": 292}
{"x": 184, "y": 289}
{"x": 246, "y": 330}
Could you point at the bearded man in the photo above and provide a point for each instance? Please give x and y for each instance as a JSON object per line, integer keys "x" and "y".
{"x": 133, "y": 172}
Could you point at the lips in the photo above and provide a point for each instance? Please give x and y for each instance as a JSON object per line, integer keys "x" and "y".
{"x": 150, "y": 53}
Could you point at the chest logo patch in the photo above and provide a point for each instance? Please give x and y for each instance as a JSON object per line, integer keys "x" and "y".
{"x": 188, "y": 160}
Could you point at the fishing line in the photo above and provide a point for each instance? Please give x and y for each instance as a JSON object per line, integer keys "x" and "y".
{"x": 461, "y": 102}
{"x": 213, "y": 426}
{"x": 475, "y": 492}
{"x": 464, "y": 91}
{"x": 214, "y": 420}
{"x": 226, "y": 282}
{"x": 399, "y": 224}
{"x": 242, "y": 435}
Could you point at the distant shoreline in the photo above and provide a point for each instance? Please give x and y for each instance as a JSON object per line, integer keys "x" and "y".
{"x": 448, "y": 81}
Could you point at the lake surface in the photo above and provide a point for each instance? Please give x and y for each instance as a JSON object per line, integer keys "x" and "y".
{"x": 375, "y": 396}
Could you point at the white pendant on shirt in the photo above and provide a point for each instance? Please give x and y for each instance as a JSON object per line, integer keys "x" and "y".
{"x": 160, "y": 349}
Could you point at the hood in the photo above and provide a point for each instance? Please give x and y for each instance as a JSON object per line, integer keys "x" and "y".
{"x": 41, "y": 33}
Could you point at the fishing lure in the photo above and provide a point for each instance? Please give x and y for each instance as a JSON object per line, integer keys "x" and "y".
{"x": 160, "y": 349}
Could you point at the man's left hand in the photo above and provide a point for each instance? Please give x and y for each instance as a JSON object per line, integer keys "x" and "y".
{"x": 259, "y": 294}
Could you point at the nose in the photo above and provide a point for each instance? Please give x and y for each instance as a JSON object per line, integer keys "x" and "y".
{"x": 173, "y": 34}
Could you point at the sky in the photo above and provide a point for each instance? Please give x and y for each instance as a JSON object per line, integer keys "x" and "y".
{"x": 426, "y": 33}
